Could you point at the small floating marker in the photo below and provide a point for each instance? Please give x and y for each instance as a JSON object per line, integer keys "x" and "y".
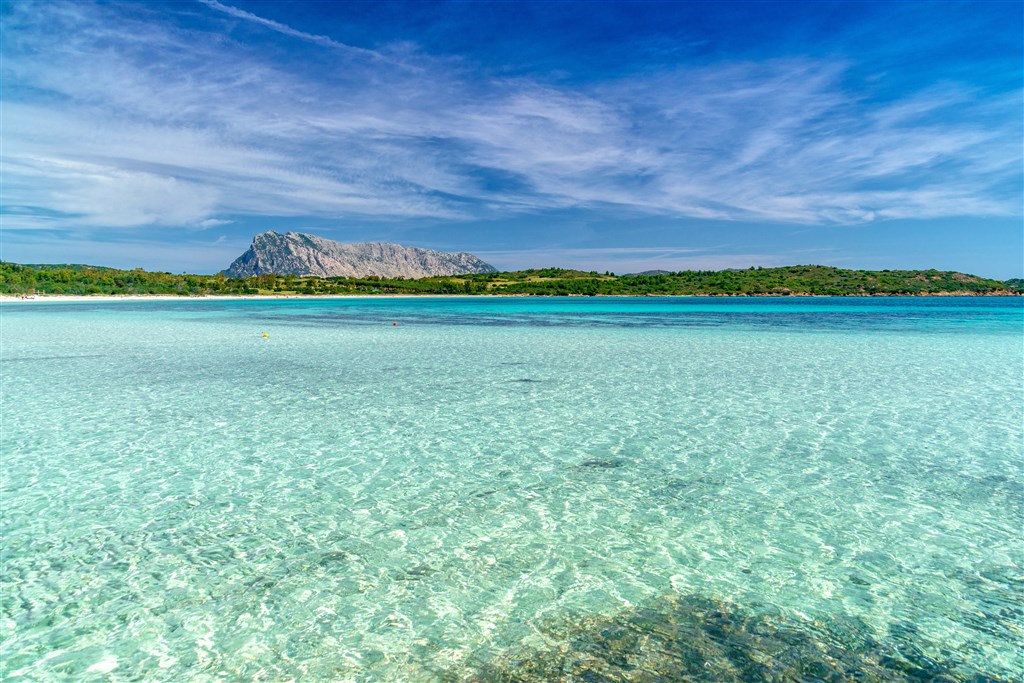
{"x": 394, "y": 324}
{"x": 265, "y": 334}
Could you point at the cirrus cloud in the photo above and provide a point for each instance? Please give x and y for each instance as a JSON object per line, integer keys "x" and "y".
{"x": 116, "y": 120}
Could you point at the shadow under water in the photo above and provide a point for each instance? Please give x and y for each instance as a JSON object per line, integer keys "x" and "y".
{"x": 693, "y": 638}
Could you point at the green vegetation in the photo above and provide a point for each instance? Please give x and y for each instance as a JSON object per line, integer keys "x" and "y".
{"x": 791, "y": 280}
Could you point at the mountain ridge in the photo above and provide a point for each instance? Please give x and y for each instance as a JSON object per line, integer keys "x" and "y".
{"x": 302, "y": 254}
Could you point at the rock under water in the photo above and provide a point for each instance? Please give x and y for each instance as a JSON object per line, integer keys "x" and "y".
{"x": 693, "y": 638}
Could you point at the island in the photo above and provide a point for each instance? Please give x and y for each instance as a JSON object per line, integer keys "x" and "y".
{"x": 807, "y": 280}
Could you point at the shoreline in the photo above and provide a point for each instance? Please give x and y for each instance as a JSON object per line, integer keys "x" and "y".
{"x": 114, "y": 298}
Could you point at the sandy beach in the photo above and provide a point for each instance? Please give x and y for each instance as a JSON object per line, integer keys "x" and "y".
{"x": 109, "y": 298}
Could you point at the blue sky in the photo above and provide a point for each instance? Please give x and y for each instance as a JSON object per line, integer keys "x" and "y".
{"x": 608, "y": 136}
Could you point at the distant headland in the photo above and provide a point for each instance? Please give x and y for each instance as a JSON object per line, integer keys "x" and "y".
{"x": 809, "y": 280}
{"x": 298, "y": 264}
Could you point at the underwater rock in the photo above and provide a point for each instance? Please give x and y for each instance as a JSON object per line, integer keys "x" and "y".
{"x": 415, "y": 573}
{"x": 693, "y": 638}
{"x": 332, "y": 557}
{"x": 602, "y": 464}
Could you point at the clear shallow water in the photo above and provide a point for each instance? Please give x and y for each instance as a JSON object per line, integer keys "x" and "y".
{"x": 504, "y": 487}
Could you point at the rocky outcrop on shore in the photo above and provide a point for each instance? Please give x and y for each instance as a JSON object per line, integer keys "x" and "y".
{"x": 296, "y": 253}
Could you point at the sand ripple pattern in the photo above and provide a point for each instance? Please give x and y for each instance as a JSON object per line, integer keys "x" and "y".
{"x": 512, "y": 490}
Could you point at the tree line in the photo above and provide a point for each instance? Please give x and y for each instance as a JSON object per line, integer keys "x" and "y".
{"x": 17, "y": 279}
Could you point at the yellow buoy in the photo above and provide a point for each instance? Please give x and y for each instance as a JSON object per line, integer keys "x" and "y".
{"x": 265, "y": 334}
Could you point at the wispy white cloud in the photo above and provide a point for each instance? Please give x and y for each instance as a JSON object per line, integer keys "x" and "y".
{"x": 115, "y": 125}
{"x": 287, "y": 30}
{"x": 91, "y": 194}
{"x": 178, "y": 255}
{"x": 213, "y": 223}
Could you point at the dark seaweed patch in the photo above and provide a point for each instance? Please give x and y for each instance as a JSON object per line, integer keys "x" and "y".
{"x": 415, "y": 573}
{"x": 602, "y": 463}
{"x": 262, "y": 582}
{"x": 692, "y": 638}
{"x": 333, "y": 557}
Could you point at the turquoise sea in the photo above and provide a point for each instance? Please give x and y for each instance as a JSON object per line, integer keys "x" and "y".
{"x": 513, "y": 490}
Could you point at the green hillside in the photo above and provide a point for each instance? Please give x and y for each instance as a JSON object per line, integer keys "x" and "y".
{"x": 791, "y": 280}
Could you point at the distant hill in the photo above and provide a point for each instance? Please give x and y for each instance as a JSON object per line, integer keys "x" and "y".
{"x": 648, "y": 273}
{"x": 295, "y": 253}
{"x": 77, "y": 267}
{"x": 785, "y": 281}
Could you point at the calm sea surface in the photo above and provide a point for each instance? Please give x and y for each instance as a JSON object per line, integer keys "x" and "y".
{"x": 512, "y": 489}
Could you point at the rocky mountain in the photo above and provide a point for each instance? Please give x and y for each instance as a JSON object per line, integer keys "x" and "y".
{"x": 295, "y": 253}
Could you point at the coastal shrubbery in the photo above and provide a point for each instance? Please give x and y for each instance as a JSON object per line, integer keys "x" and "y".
{"x": 790, "y": 280}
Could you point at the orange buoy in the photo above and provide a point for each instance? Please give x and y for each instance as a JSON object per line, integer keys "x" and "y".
{"x": 394, "y": 324}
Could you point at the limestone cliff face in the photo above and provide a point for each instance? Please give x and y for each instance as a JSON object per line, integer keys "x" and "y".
{"x": 295, "y": 253}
